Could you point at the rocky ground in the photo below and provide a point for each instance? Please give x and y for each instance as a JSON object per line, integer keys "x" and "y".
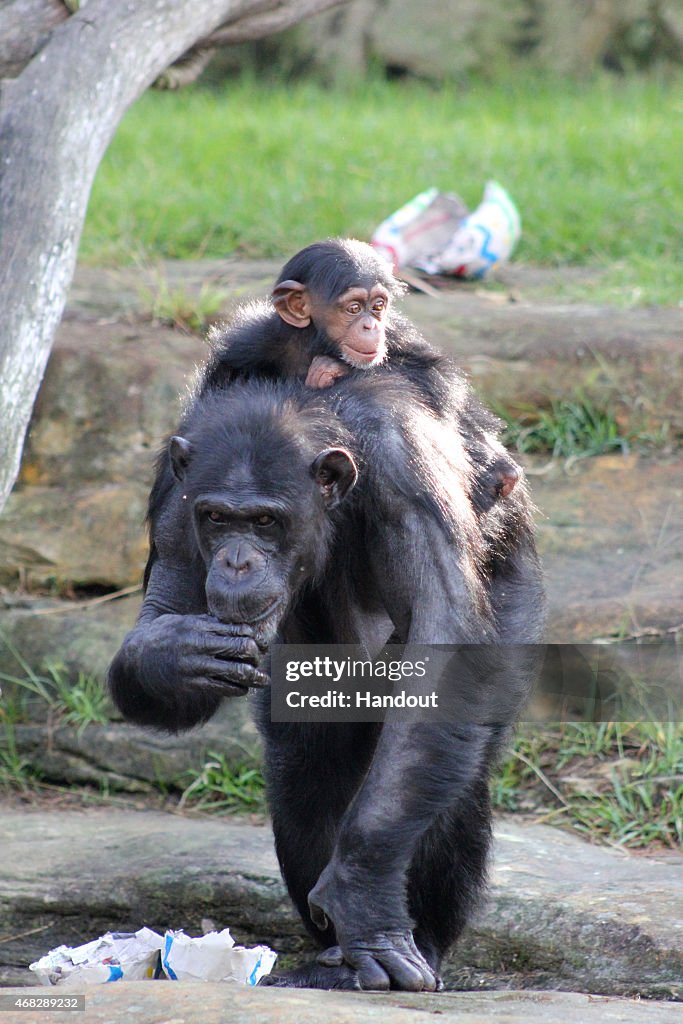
{"x": 178, "y": 1004}
{"x": 563, "y": 915}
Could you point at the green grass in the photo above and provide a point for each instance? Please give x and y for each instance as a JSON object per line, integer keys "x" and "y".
{"x": 16, "y": 772}
{"x": 618, "y": 783}
{"x": 621, "y": 783}
{"x": 224, "y": 787}
{"x": 260, "y": 170}
{"x": 177, "y": 307}
{"x": 570, "y": 429}
{"x": 68, "y": 701}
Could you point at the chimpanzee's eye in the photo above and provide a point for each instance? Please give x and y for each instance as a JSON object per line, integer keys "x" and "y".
{"x": 354, "y": 308}
{"x": 379, "y": 305}
{"x": 215, "y": 517}
{"x": 265, "y": 521}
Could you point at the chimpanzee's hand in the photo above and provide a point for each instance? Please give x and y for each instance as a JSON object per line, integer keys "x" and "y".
{"x": 383, "y": 961}
{"x": 384, "y": 956}
{"x": 324, "y": 371}
{"x": 196, "y": 652}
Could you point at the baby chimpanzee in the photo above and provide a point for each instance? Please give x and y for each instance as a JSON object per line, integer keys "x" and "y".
{"x": 333, "y": 316}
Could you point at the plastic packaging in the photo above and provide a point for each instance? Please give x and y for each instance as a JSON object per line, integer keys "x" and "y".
{"x": 434, "y": 232}
{"x": 146, "y": 955}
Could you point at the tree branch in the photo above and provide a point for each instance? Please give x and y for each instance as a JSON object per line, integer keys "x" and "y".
{"x": 25, "y": 27}
{"x": 56, "y": 120}
{"x": 185, "y": 70}
{"x": 256, "y": 26}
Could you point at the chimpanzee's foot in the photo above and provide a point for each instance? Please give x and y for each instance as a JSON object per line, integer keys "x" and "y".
{"x": 314, "y": 975}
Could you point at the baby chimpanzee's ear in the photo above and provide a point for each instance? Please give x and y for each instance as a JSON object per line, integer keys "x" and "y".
{"x": 292, "y": 301}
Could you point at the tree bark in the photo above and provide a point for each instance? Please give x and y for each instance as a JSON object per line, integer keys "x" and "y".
{"x": 258, "y": 24}
{"x": 56, "y": 120}
{"x": 25, "y": 27}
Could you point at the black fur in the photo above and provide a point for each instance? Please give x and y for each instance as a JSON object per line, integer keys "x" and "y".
{"x": 382, "y": 831}
{"x": 257, "y": 342}
{"x": 407, "y": 542}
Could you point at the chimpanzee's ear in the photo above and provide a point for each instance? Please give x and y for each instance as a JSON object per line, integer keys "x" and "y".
{"x": 292, "y": 301}
{"x": 335, "y": 473}
{"x": 180, "y": 451}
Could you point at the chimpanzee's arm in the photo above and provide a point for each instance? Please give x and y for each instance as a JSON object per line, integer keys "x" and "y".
{"x": 417, "y": 772}
{"x": 420, "y": 769}
{"x": 177, "y": 663}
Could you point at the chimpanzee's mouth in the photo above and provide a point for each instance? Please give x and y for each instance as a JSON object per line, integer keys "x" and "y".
{"x": 262, "y": 628}
{"x": 241, "y": 616}
{"x": 266, "y": 624}
{"x": 365, "y": 358}
{"x": 358, "y": 357}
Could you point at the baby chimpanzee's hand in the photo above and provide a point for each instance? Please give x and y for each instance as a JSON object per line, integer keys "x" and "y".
{"x": 324, "y": 371}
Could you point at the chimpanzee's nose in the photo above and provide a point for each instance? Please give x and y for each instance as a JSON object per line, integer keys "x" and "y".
{"x": 237, "y": 556}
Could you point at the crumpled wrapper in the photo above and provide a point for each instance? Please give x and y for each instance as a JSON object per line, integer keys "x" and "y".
{"x": 436, "y": 233}
{"x": 214, "y": 957}
{"x": 146, "y": 955}
{"x": 420, "y": 229}
{"x": 130, "y": 955}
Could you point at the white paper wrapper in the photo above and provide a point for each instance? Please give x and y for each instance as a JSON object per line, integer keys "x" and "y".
{"x": 419, "y": 231}
{"x": 486, "y": 237}
{"x": 436, "y": 233}
{"x": 214, "y": 957}
{"x": 133, "y": 956}
{"x": 143, "y": 955}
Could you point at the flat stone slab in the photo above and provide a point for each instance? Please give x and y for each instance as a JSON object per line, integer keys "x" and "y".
{"x": 611, "y": 541}
{"x": 519, "y": 323}
{"x": 561, "y": 914}
{"x": 610, "y": 535}
{"x": 511, "y": 342}
{"x": 184, "y": 1003}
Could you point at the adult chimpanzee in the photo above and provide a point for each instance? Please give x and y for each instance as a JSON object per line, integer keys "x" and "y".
{"x": 331, "y": 314}
{"x": 381, "y": 831}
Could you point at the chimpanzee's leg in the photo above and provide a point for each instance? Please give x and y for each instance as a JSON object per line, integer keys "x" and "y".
{"x": 447, "y": 876}
{"x": 312, "y": 773}
{"x": 448, "y": 873}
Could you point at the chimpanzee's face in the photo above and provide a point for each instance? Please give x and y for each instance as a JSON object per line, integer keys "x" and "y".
{"x": 247, "y": 544}
{"x": 261, "y": 527}
{"x": 356, "y": 323}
